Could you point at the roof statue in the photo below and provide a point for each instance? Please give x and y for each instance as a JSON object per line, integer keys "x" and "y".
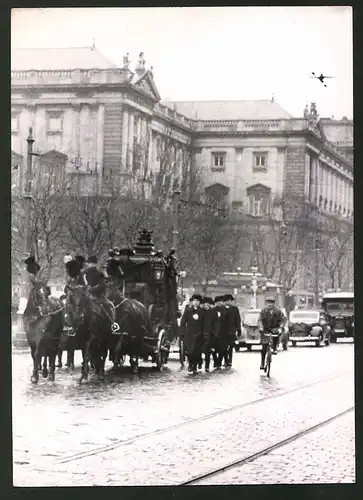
{"x": 313, "y": 110}
{"x": 306, "y": 111}
{"x": 126, "y": 61}
{"x": 141, "y": 62}
{"x": 151, "y": 71}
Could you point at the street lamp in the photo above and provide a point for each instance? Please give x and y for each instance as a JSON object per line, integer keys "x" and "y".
{"x": 254, "y": 287}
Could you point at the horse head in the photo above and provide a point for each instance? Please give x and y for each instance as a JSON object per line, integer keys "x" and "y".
{"x": 77, "y": 302}
{"x": 39, "y": 297}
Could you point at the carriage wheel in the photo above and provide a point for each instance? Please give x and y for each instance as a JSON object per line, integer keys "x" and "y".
{"x": 162, "y": 353}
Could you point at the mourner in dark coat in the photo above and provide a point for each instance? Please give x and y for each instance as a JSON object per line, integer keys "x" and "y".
{"x": 233, "y": 326}
{"x": 217, "y": 342}
{"x": 200, "y": 361}
{"x": 191, "y": 328}
{"x": 210, "y": 330}
{"x": 271, "y": 319}
{"x": 96, "y": 282}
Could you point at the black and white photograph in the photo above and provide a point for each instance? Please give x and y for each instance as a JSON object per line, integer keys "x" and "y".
{"x": 182, "y": 261}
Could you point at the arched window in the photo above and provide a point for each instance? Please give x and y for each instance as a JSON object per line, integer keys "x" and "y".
{"x": 259, "y": 199}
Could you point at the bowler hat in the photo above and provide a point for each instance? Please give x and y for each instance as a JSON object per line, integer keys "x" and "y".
{"x": 208, "y": 300}
{"x": 196, "y": 296}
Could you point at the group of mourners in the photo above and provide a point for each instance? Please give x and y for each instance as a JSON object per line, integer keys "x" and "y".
{"x": 209, "y": 328}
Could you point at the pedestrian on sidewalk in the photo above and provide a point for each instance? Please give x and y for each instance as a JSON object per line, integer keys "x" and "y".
{"x": 191, "y": 326}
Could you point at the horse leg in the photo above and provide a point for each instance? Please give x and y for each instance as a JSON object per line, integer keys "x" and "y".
{"x": 60, "y": 355}
{"x": 36, "y": 363}
{"x": 71, "y": 364}
{"x": 52, "y": 358}
{"x": 86, "y": 359}
{"x": 45, "y": 368}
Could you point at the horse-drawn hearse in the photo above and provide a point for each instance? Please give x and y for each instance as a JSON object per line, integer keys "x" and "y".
{"x": 141, "y": 322}
{"x": 150, "y": 278}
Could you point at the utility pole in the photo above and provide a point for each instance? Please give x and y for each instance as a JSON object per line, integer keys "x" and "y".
{"x": 176, "y": 219}
{"x": 26, "y": 236}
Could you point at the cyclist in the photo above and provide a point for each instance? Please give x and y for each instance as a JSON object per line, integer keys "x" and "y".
{"x": 270, "y": 321}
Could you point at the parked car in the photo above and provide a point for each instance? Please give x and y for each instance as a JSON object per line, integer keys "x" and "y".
{"x": 309, "y": 325}
{"x": 249, "y": 332}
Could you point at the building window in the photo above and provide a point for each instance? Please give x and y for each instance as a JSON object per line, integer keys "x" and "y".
{"x": 218, "y": 162}
{"x": 259, "y": 198}
{"x": 55, "y": 123}
{"x": 158, "y": 149}
{"x": 259, "y": 161}
{"x": 14, "y": 123}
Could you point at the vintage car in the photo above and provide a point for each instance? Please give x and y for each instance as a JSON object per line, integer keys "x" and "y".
{"x": 249, "y": 332}
{"x": 309, "y": 325}
{"x": 339, "y": 307}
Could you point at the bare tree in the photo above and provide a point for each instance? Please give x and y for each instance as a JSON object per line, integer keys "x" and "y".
{"x": 336, "y": 250}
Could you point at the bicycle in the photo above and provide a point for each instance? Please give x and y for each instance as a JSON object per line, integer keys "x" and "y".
{"x": 268, "y": 358}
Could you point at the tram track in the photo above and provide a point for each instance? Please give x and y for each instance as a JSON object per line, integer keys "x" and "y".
{"x": 265, "y": 451}
{"x": 164, "y": 430}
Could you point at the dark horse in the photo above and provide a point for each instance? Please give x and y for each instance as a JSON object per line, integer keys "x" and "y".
{"x": 76, "y": 332}
{"x": 43, "y": 323}
{"x": 98, "y": 324}
{"x": 131, "y": 316}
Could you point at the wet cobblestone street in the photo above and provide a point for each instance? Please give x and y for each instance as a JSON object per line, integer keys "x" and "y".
{"x": 167, "y": 428}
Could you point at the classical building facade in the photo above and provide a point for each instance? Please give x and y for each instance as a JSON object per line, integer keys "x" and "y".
{"x": 100, "y": 126}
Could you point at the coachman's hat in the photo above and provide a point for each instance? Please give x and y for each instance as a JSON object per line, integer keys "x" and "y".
{"x": 80, "y": 259}
{"x": 196, "y": 296}
{"x": 31, "y": 265}
{"x": 208, "y": 300}
{"x": 202, "y": 300}
{"x": 92, "y": 259}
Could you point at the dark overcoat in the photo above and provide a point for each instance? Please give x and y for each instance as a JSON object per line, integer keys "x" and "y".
{"x": 192, "y": 329}
{"x": 211, "y": 329}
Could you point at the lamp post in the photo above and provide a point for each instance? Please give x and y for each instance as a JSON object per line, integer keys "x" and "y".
{"x": 20, "y": 337}
{"x": 254, "y": 287}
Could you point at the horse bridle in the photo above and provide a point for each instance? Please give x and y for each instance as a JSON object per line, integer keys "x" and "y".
{"x": 51, "y": 313}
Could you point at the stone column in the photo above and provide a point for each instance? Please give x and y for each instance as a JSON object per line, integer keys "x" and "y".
{"x": 307, "y": 177}
{"x": 313, "y": 178}
{"x": 100, "y": 130}
{"x": 125, "y": 139}
{"x": 318, "y": 181}
{"x": 150, "y": 152}
{"x": 330, "y": 186}
{"x": 131, "y": 140}
{"x": 139, "y": 130}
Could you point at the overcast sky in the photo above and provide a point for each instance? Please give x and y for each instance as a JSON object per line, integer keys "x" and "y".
{"x": 215, "y": 53}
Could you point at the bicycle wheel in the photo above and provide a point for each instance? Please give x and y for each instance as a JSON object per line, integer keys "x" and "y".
{"x": 268, "y": 363}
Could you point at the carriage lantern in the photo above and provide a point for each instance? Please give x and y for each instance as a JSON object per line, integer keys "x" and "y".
{"x": 158, "y": 274}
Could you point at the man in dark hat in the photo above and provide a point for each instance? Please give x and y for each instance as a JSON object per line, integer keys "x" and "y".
{"x": 114, "y": 272}
{"x": 271, "y": 321}
{"x": 217, "y": 343}
{"x": 200, "y": 361}
{"x": 96, "y": 282}
{"x": 210, "y": 330}
{"x": 191, "y": 331}
{"x": 234, "y": 326}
